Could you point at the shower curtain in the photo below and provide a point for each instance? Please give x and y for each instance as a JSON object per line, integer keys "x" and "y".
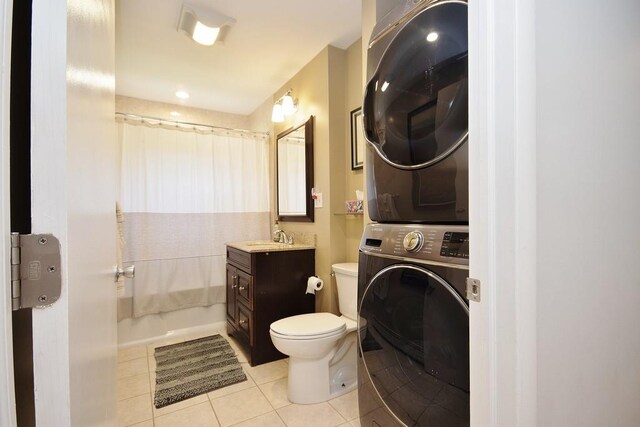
{"x": 185, "y": 191}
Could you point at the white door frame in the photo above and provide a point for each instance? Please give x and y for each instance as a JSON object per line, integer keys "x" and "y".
{"x": 7, "y": 393}
{"x": 502, "y": 175}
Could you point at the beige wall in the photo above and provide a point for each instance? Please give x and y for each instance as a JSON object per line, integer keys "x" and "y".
{"x": 161, "y": 110}
{"x": 323, "y": 89}
{"x": 311, "y": 87}
{"x": 354, "y": 179}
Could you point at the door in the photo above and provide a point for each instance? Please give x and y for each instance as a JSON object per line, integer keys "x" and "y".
{"x": 74, "y": 182}
{"x": 7, "y": 394}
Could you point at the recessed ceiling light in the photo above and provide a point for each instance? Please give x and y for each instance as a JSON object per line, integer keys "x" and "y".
{"x": 385, "y": 85}
{"x": 174, "y": 113}
{"x": 431, "y": 37}
{"x": 182, "y": 94}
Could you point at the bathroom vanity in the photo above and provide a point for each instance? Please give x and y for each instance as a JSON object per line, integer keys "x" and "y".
{"x": 266, "y": 281}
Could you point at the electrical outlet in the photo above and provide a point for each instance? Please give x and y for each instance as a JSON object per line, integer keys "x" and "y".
{"x": 317, "y": 202}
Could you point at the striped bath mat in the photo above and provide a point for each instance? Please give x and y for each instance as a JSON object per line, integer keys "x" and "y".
{"x": 194, "y": 367}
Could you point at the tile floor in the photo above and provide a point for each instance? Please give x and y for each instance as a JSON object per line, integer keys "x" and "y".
{"x": 261, "y": 401}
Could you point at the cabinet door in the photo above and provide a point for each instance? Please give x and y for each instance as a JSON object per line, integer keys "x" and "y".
{"x": 232, "y": 304}
{"x": 245, "y": 288}
{"x": 245, "y": 324}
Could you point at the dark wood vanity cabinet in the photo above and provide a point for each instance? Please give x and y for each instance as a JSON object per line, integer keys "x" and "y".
{"x": 263, "y": 287}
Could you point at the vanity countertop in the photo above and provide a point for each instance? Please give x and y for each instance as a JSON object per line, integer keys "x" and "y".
{"x": 268, "y": 246}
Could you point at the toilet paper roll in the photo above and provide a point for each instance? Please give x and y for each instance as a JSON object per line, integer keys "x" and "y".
{"x": 314, "y": 284}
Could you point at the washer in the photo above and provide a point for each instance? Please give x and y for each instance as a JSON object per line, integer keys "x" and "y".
{"x": 413, "y": 326}
{"x": 415, "y": 115}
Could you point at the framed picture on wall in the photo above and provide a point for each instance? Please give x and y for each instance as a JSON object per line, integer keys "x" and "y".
{"x": 357, "y": 139}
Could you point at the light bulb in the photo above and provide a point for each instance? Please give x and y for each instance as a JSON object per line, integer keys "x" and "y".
{"x": 205, "y": 35}
{"x": 277, "y": 116}
{"x": 431, "y": 37}
{"x": 288, "y": 106}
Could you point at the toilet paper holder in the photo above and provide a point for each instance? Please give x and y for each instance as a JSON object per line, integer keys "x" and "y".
{"x": 314, "y": 284}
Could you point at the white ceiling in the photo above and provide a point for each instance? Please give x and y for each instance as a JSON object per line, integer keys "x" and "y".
{"x": 270, "y": 42}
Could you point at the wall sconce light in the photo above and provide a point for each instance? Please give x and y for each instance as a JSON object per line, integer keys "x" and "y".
{"x": 285, "y": 106}
{"x": 204, "y": 26}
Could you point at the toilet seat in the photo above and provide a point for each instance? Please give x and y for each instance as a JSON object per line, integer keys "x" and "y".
{"x": 309, "y": 326}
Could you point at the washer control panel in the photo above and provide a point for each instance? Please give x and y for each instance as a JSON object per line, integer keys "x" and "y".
{"x": 438, "y": 243}
{"x": 413, "y": 241}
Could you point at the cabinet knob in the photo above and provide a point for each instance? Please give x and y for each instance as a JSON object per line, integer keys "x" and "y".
{"x": 233, "y": 286}
{"x": 242, "y": 288}
{"x": 242, "y": 322}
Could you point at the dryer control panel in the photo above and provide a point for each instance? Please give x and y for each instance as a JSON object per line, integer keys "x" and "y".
{"x": 447, "y": 244}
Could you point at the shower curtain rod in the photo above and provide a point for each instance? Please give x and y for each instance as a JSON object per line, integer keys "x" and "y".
{"x": 179, "y": 123}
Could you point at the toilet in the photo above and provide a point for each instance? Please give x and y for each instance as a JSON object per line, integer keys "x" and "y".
{"x": 322, "y": 346}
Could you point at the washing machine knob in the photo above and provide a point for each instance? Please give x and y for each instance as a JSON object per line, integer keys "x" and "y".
{"x": 413, "y": 241}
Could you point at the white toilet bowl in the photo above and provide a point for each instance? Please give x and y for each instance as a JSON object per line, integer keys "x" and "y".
{"x": 321, "y": 346}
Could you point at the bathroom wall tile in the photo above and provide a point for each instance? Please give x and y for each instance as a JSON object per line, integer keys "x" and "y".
{"x": 233, "y": 388}
{"x": 316, "y": 415}
{"x": 276, "y": 392}
{"x": 270, "y": 419}
{"x": 131, "y": 368}
{"x": 134, "y": 410}
{"x": 194, "y": 416}
{"x": 196, "y": 400}
{"x": 346, "y": 405}
{"x": 132, "y": 353}
{"x": 268, "y": 372}
{"x": 133, "y": 386}
{"x": 241, "y": 406}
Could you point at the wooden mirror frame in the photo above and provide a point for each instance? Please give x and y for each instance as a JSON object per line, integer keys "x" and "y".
{"x": 308, "y": 156}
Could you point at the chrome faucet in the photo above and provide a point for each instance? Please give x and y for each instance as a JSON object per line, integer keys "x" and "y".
{"x": 281, "y": 236}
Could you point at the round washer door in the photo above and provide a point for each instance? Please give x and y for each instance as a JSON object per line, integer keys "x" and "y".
{"x": 415, "y": 346}
{"x": 415, "y": 109}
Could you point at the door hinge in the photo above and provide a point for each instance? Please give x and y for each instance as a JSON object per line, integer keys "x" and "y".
{"x": 35, "y": 270}
{"x": 473, "y": 289}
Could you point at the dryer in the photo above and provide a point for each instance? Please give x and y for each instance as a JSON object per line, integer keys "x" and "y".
{"x": 413, "y": 326}
{"x": 415, "y": 114}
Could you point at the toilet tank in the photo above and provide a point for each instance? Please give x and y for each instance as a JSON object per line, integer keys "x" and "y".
{"x": 347, "y": 283}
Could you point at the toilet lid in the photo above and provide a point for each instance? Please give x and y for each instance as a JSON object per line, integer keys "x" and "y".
{"x": 309, "y": 325}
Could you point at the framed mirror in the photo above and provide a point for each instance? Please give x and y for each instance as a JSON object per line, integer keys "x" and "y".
{"x": 294, "y": 164}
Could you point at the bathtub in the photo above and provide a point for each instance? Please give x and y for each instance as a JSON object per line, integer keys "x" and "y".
{"x": 153, "y": 327}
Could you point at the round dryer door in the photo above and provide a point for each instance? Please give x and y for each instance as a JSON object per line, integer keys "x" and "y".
{"x": 414, "y": 342}
{"x": 416, "y": 103}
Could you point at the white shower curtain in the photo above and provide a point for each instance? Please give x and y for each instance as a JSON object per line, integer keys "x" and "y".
{"x": 184, "y": 193}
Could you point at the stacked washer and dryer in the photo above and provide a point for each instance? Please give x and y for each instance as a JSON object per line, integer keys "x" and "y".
{"x": 413, "y": 326}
